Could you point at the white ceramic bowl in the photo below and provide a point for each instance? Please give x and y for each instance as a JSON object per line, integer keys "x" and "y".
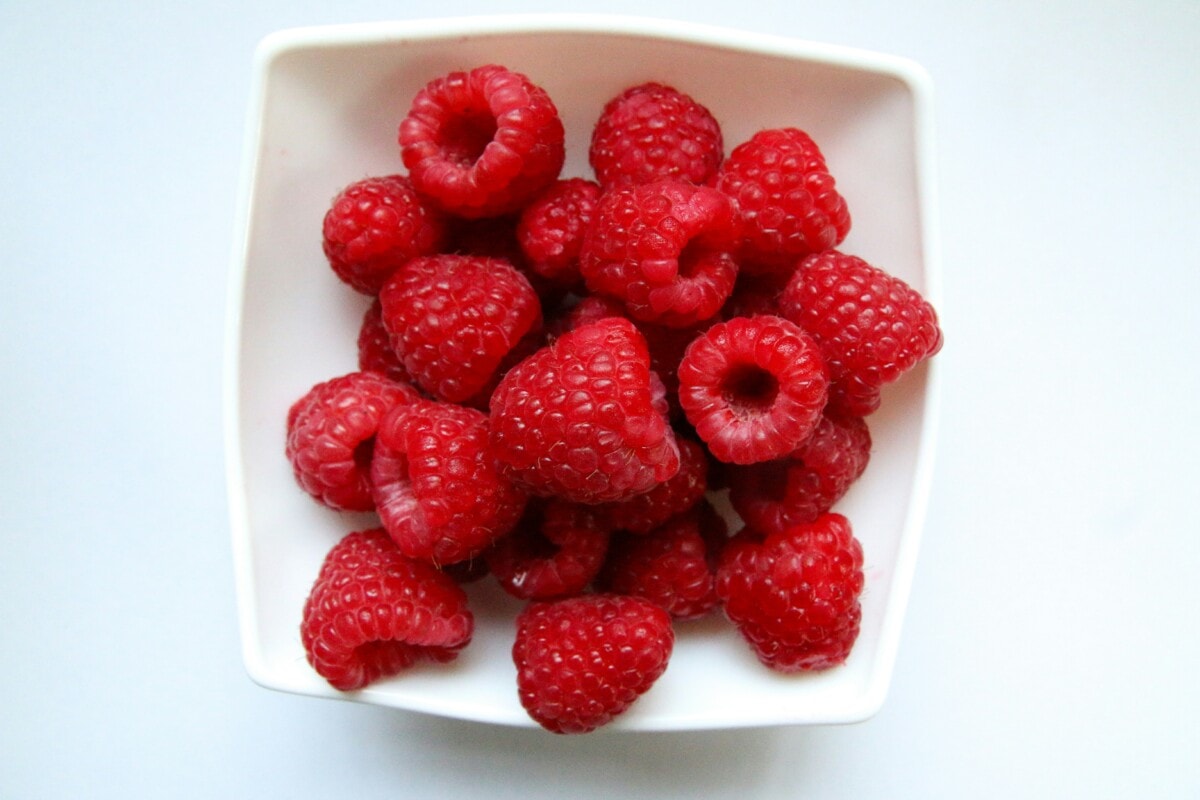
{"x": 325, "y": 107}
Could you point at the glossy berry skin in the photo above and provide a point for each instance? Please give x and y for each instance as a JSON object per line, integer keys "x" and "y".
{"x": 551, "y": 229}
{"x": 330, "y": 434}
{"x": 787, "y": 200}
{"x": 673, "y": 566}
{"x": 453, "y": 320}
{"x": 644, "y": 512}
{"x": 871, "y": 326}
{"x": 580, "y": 419}
{"x": 753, "y": 388}
{"x": 776, "y": 495}
{"x": 555, "y": 551}
{"x": 482, "y": 143}
{"x": 583, "y": 661}
{"x": 372, "y": 613}
{"x": 654, "y": 131}
{"x": 438, "y": 492}
{"x": 794, "y": 595}
{"x": 375, "y": 353}
{"x": 375, "y": 225}
{"x": 664, "y": 249}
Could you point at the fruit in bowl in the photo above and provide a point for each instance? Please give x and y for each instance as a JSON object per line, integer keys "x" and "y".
{"x": 563, "y": 324}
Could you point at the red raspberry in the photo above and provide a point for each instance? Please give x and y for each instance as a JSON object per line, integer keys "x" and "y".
{"x": 673, "y": 566}
{"x": 453, "y": 320}
{"x": 375, "y": 353}
{"x": 753, "y": 388}
{"x": 872, "y": 327}
{"x": 331, "y": 432}
{"x": 555, "y": 551}
{"x": 482, "y": 143}
{"x": 794, "y": 596}
{"x": 589, "y": 309}
{"x": 552, "y": 226}
{"x": 438, "y": 491}
{"x": 579, "y": 418}
{"x": 375, "y": 225}
{"x": 775, "y": 495}
{"x": 372, "y": 613}
{"x": 786, "y": 199}
{"x": 583, "y": 661}
{"x": 652, "y": 131}
{"x": 664, "y": 249}
{"x": 648, "y": 510}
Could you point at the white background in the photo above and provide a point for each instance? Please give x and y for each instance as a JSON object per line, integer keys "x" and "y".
{"x": 1051, "y": 644}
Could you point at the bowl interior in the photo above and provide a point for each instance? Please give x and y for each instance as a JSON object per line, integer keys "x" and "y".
{"x": 325, "y": 113}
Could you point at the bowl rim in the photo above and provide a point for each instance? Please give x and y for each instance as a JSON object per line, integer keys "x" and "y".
{"x": 915, "y": 78}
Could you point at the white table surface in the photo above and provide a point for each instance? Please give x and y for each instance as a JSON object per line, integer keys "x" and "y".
{"x": 1050, "y": 648}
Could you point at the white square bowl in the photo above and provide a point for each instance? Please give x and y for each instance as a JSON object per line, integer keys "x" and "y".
{"x": 325, "y": 107}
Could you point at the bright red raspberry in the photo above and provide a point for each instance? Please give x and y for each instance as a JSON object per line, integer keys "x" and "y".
{"x": 583, "y": 661}
{"x": 776, "y": 495}
{"x": 552, "y": 226}
{"x": 555, "y": 551}
{"x": 753, "y": 388}
{"x": 375, "y": 353}
{"x": 653, "y": 131}
{"x": 794, "y": 595}
{"x": 871, "y": 326}
{"x": 482, "y": 143}
{"x": 673, "y": 566}
{"x": 438, "y": 491}
{"x": 453, "y": 320}
{"x": 375, "y": 225}
{"x": 664, "y": 249}
{"x": 372, "y": 613}
{"x": 644, "y": 512}
{"x": 331, "y": 432}
{"x": 786, "y": 199}
{"x": 579, "y": 419}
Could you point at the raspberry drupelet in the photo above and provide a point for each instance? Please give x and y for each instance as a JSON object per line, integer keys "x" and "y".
{"x": 753, "y": 388}
{"x": 555, "y": 551}
{"x": 482, "y": 143}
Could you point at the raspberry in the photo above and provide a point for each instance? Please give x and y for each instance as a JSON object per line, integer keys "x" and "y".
{"x": 552, "y": 226}
{"x": 664, "y": 249}
{"x": 453, "y": 320}
{"x": 555, "y": 551}
{"x": 775, "y": 495}
{"x": 794, "y": 596}
{"x": 375, "y": 225}
{"x": 437, "y": 489}
{"x": 653, "y": 131}
{"x": 648, "y": 510}
{"x": 375, "y": 353}
{"x": 673, "y": 566}
{"x": 872, "y": 327}
{"x": 753, "y": 388}
{"x": 583, "y": 661}
{"x": 482, "y": 143}
{"x": 331, "y": 432}
{"x": 786, "y": 198}
{"x": 579, "y": 418}
{"x": 372, "y": 613}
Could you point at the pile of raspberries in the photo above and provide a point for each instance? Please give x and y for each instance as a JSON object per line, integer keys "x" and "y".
{"x": 555, "y": 376}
